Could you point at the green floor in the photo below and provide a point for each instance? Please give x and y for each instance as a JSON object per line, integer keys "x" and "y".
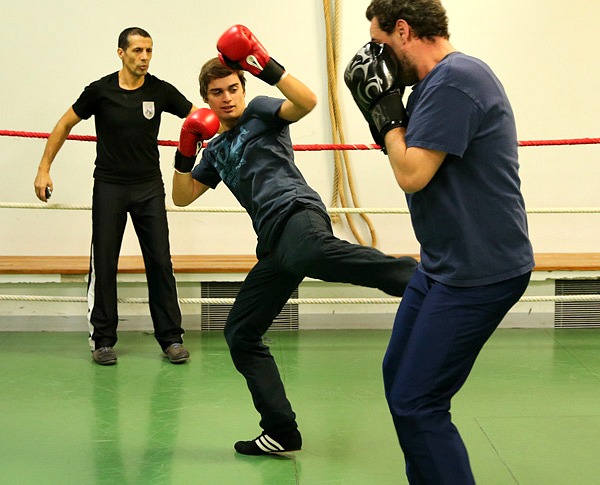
{"x": 530, "y": 413}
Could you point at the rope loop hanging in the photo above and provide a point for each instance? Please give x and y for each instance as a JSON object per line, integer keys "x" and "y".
{"x": 342, "y": 169}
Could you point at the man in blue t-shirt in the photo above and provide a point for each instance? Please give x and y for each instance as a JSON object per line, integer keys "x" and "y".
{"x": 253, "y": 156}
{"x": 127, "y": 106}
{"x": 453, "y": 151}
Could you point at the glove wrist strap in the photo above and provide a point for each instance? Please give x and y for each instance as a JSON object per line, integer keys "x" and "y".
{"x": 272, "y": 73}
{"x": 182, "y": 163}
{"x": 389, "y": 113}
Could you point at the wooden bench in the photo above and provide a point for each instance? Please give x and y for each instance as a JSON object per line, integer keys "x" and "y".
{"x": 77, "y": 265}
{"x": 235, "y": 263}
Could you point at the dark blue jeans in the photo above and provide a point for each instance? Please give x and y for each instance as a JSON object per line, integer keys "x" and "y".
{"x": 306, "y": 247}
{"x": 438, "y": 332}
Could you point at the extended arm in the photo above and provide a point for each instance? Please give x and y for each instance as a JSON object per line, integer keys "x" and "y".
{"x": 53, "y": 145}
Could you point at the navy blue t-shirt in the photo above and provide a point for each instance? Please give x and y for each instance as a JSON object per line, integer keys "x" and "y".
{"x": 127, "y": 124}
{"x": 470, "y": 219}
{"x": 255, "y": 160}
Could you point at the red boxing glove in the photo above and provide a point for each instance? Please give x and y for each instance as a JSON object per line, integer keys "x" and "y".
{"x": 201, "y": 125}
{"x": 240, "y": 49}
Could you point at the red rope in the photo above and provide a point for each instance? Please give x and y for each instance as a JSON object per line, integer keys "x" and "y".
{"x": 574, "y": 141}
{"x": 312, "y": 148}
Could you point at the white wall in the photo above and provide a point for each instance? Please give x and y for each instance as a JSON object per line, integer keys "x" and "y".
{"x": 545, "y": 54}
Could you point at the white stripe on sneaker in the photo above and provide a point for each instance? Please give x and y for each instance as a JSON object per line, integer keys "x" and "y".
{"x": 91, "y": 292}
{"x": 268, "y": 444}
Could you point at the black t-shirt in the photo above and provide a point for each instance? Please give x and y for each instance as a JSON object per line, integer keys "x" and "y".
{"x": 127, "y": 124}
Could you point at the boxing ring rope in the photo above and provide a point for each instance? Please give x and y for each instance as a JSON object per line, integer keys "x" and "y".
{"x": 310, "y": 147}
{"x": 331, "y": 210}
{"x": 291, "y": 301}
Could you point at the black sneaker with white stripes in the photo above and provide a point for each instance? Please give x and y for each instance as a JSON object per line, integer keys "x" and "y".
{"x": 266, "y": 444}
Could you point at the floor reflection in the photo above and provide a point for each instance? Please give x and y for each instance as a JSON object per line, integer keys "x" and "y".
{"x": 110, "y": 395}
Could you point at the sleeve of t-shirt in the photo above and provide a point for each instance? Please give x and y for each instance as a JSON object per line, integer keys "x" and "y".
{"x": 444, "y": 119}
{"x": 177, "y": 103}
{"x": 267, "y": 108}
{"x": 205, "y": 173}
{"x": 85, "y": 106}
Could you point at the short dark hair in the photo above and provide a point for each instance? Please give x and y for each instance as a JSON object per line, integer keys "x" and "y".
{"x": 214, "y": 69}
{"x": 427, "y": 18}
{"x": 123, "y": 42}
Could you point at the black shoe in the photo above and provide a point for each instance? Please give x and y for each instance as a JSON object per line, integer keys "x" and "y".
{"x": 266, "y": 444}
{"x": 104, "y": 356}
{"x": 177, "y": 354}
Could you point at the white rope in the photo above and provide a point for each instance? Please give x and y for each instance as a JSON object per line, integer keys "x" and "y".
{"x": 291, "y": 301}
{"x": 331, "y": 210}
{"x": 207, "y": 301}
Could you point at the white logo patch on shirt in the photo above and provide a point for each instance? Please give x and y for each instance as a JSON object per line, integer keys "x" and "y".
{"x": 148, "y": 109}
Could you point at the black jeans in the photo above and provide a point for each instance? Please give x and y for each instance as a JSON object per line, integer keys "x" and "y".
{"x": 306, "y": 247}
{"x": 145, "y": 203}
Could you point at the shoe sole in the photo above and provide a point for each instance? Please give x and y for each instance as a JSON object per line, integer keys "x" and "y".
{"x": 278, "y": 453}
{"x": 179, "y": 361}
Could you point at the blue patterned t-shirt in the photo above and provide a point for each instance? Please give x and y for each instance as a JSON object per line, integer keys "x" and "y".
{"x": 255, "y": 160}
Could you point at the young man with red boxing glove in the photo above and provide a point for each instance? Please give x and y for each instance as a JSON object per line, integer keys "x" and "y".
{"x": 253, "y": 156}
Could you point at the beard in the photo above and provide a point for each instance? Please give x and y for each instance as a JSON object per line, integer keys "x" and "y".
{"x": 408, "y": 71}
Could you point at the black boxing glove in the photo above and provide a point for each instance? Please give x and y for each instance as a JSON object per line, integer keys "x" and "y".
{"x": 373, "y": 79}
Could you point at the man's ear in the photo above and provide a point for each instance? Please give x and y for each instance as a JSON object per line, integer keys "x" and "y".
{"x": 402, "y": 29}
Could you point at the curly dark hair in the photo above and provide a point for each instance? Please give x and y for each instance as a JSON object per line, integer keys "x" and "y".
{"x": 427, "y": 18}
{"x": 214, "y": 69}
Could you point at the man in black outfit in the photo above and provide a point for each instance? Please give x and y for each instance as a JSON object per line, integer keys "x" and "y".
{"x": 253, "y": 156}
{"x": 127, "y": 106}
